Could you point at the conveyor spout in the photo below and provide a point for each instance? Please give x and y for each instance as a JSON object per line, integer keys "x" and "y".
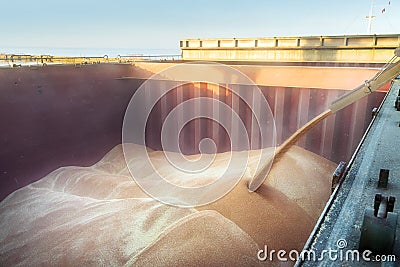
{"x": 390, "y": 71}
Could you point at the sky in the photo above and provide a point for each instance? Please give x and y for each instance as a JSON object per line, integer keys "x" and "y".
{"x": 156, "y": 26}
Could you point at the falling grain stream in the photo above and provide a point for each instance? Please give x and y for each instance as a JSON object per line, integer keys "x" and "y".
{"x": 388, "y": 72}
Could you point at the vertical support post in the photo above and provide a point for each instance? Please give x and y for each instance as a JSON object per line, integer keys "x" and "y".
{"x": 370, "y": 17}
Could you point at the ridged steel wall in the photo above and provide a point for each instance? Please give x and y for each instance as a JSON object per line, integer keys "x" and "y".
{"x": 72, "y": 115}
{"x": 335, "y": 138}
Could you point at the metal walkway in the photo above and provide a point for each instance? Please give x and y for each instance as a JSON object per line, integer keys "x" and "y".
{"x": 340, "y": 226}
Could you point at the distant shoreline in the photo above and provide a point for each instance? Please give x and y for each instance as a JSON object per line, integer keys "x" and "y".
{"x": 86, "y": 52}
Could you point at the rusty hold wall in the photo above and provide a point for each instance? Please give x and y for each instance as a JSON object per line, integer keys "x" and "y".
{"x": 72, "y": 115}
